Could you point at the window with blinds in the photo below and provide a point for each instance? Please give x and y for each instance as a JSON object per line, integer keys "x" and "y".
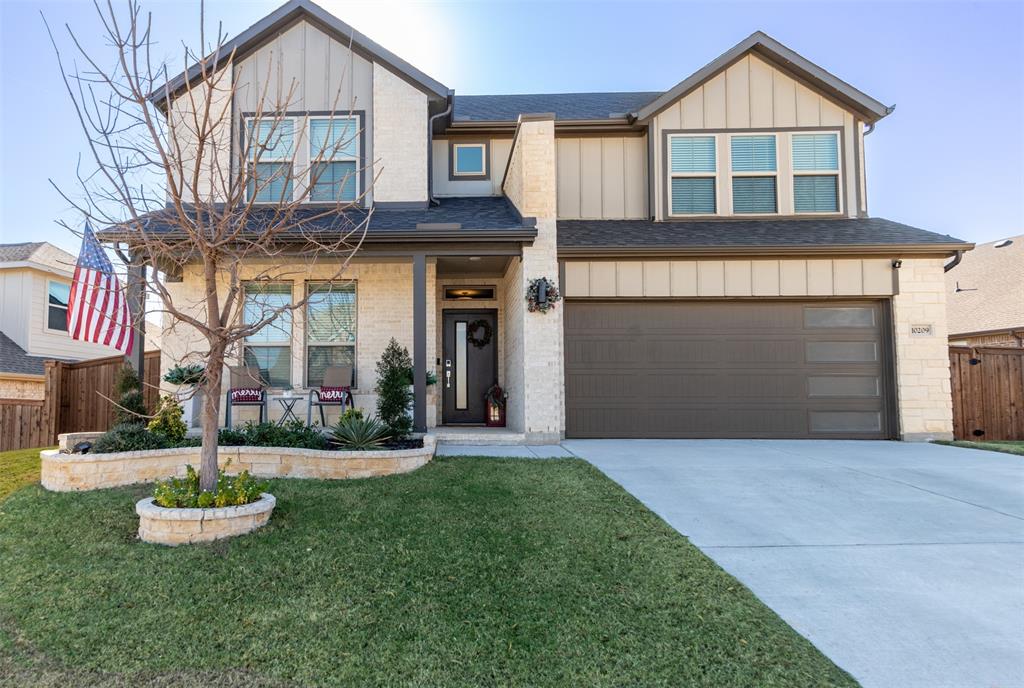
{"x": 816, "y": 173}
{"x": 692, "y": 169}
{"x": 269, "y": 348}
{"x": 270, "y": 149}
{"x": 330, "y": 329}
{"x": 334, "y": 153}
{"x": 754, "y": 171}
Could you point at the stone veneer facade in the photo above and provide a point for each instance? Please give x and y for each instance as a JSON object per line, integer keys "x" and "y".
{"x": 922, "y": 362}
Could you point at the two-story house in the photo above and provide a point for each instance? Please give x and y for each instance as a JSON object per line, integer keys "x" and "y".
{"x": 720, "y": 273}
{"x": 35, "y": 283}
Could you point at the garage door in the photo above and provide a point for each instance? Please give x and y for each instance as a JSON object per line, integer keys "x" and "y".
{"x": 771, "y": 369}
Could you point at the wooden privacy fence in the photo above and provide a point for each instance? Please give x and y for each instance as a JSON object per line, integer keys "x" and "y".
{"x": 988, "y": 392}
{"x": 75, "y": 400}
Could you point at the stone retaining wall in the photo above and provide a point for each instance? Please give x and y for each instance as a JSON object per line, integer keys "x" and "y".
{"x": 165, "y": 526}
{"x": 73, "y": 472}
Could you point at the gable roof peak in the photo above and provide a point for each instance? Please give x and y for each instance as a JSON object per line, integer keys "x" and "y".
{"x": 766, "y": 47}
{"x": 284, "y": 15}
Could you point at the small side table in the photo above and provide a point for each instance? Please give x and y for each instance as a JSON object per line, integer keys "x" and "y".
{"x": 287, "y": 403}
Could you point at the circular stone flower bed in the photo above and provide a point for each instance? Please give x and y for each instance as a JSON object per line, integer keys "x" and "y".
{"x": 165, "y": 526}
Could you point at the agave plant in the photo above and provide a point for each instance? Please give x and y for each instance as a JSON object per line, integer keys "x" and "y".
{"x": 359, "y": 434}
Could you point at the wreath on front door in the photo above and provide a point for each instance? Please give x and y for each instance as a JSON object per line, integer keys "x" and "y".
{"x": 484, "y": 339}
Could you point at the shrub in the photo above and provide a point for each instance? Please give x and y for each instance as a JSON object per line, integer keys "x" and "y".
{"x": 131, "y": 407}
{"x": 356, "y": 433}
{"x": 352, "y": 413}
{"x": 168, "y": 420}
{"x": 293, "y": 434}
{"x": 129, "y": 436}
{"x": 231, "y": 491}
{"x": 393, "y": 395}
{"x": 190, "y": 374}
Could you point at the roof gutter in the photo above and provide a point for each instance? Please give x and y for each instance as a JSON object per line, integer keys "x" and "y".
{"x": 957, "y": 257}
{"x": 430, "y": 149}
{"x": 761, "y": 251}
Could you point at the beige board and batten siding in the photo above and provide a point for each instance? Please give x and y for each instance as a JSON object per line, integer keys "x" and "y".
{"x": 498, "y": 150}
{"x": 728, "y": 278}
{"x": 752, "y": 95}
{"x": 304, "y": 69}
{"x": 602, "y": 177}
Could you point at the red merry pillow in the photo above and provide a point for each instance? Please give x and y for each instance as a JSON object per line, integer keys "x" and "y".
{"x": 333, "y": 393}
{"x": 246, "y": 395}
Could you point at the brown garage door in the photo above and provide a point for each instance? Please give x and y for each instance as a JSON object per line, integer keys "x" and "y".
{"x": 726, "y": 369}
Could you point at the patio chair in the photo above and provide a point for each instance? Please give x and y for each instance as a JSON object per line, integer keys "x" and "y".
{"x": 247, "y": 389}
{"x": 336, "y": 390}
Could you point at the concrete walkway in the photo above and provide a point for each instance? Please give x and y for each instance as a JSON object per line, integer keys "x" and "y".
{"x": 522, "y": 451}
{"x": 904, "y": 563}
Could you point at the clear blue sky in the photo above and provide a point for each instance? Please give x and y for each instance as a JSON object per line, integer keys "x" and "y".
{"x": 950, "y": 159}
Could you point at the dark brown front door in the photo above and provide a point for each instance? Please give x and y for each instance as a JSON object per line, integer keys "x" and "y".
{"x": 773, "y": 369}
{"x": 469, "y": 364}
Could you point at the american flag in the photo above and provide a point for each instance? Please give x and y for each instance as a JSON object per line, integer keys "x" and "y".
{"x": 97, "y": 310}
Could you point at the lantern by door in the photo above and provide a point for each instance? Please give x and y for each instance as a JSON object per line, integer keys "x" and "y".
{"x": 496, "y": 399}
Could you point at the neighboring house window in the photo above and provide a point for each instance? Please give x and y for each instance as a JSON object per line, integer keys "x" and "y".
{"x": 469, "y": 160}
{"x": 754, "y": 170}
{"x": 334, "y": 156}
{"x": 330, "y": 329}
{"x": 271, "y": 147}
{"x": 57, "y": 294}
{"x": 270, "y": 348}
{"x": 692, "y": 168}
{"x": 816, "y": 173}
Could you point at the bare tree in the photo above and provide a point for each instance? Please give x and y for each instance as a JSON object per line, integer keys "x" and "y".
{"x": 181, "y": 181}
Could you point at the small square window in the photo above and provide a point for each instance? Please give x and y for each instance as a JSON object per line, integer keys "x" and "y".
{"x": 58, "y": 295}
{"x": 469, "y": 160}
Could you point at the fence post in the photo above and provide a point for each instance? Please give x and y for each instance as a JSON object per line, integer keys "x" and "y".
{"x": 52, "y": 400}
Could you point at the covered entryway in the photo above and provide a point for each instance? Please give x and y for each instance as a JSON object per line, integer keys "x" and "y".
{"x": 730, "y": 369}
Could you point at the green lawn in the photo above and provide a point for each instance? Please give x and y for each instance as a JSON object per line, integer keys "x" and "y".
{"x": 17, "y": 469}
{"x": 1007, "y": 447}
{"x": 466, "y": 572}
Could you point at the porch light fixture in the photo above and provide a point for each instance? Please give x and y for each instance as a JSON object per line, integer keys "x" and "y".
{"x": 461, "y": 293}
{"x": 542, "y": 291}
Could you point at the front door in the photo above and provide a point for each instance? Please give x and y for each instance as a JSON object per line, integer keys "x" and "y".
{"x": 469, "y": 364}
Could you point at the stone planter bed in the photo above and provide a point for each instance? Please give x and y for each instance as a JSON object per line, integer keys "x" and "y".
{"x": 164, "y": 526}
{"x": 73, "y": 472}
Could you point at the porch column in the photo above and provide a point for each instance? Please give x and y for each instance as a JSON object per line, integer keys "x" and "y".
{"x": 419, "y": 342}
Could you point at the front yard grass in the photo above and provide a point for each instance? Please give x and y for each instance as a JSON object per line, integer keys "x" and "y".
{"x": 17, "y": 469}
{"x": 1005, "y": 446}
{"x": 467, "y": 572}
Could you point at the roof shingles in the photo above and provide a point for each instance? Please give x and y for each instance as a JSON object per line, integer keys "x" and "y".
{"x": 565, "y": 106}
{"x": 14, "y": 359}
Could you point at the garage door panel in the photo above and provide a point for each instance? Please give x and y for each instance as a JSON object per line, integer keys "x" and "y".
{"x": 724, "y": 369}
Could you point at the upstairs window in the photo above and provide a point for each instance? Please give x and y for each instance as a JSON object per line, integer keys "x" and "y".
{"x": 692, "y": 169}
{"x": 269, "y": 349}
{"x": 754, "y": 175}
{"x": 271, "y": 147}
{"x": 816, "y": 173}
{"x": 469, "y": 160}
{"x": 334, "y": 156}
{"x": 57, "y": 294}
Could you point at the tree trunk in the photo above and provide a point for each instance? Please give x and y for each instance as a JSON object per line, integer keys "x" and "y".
{"x": 211, "y": 419}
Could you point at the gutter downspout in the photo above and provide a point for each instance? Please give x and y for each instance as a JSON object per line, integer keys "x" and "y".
{"x": 957, "y": 257}
{"x": 431, "y": 201}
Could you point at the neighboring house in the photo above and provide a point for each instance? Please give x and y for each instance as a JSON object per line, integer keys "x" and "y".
{"x": 721, "y": 274}
{"x": 35, "y": 281}
{"x": 985, "y": 295}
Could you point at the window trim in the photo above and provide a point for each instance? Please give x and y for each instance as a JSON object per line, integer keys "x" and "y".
{"x": 456, "y": 176}
{"x": 302, "y": 157}
{"x": 837, "y": 173}
{"x": 670, "y": 175}
{"x": 277, "y": 344}
{"x": 306, "y": 341}
{"x": 46, "y": 314}
{"x": 729, "y": 136}
{"x": 662, "y": 208}
{"x": 310, "y": 118}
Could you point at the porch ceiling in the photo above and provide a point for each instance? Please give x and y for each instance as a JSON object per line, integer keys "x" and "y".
{"x": 466, "y": 266}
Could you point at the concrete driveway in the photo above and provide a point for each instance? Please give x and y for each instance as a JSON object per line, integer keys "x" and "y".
{"x": 904, "y": 563}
